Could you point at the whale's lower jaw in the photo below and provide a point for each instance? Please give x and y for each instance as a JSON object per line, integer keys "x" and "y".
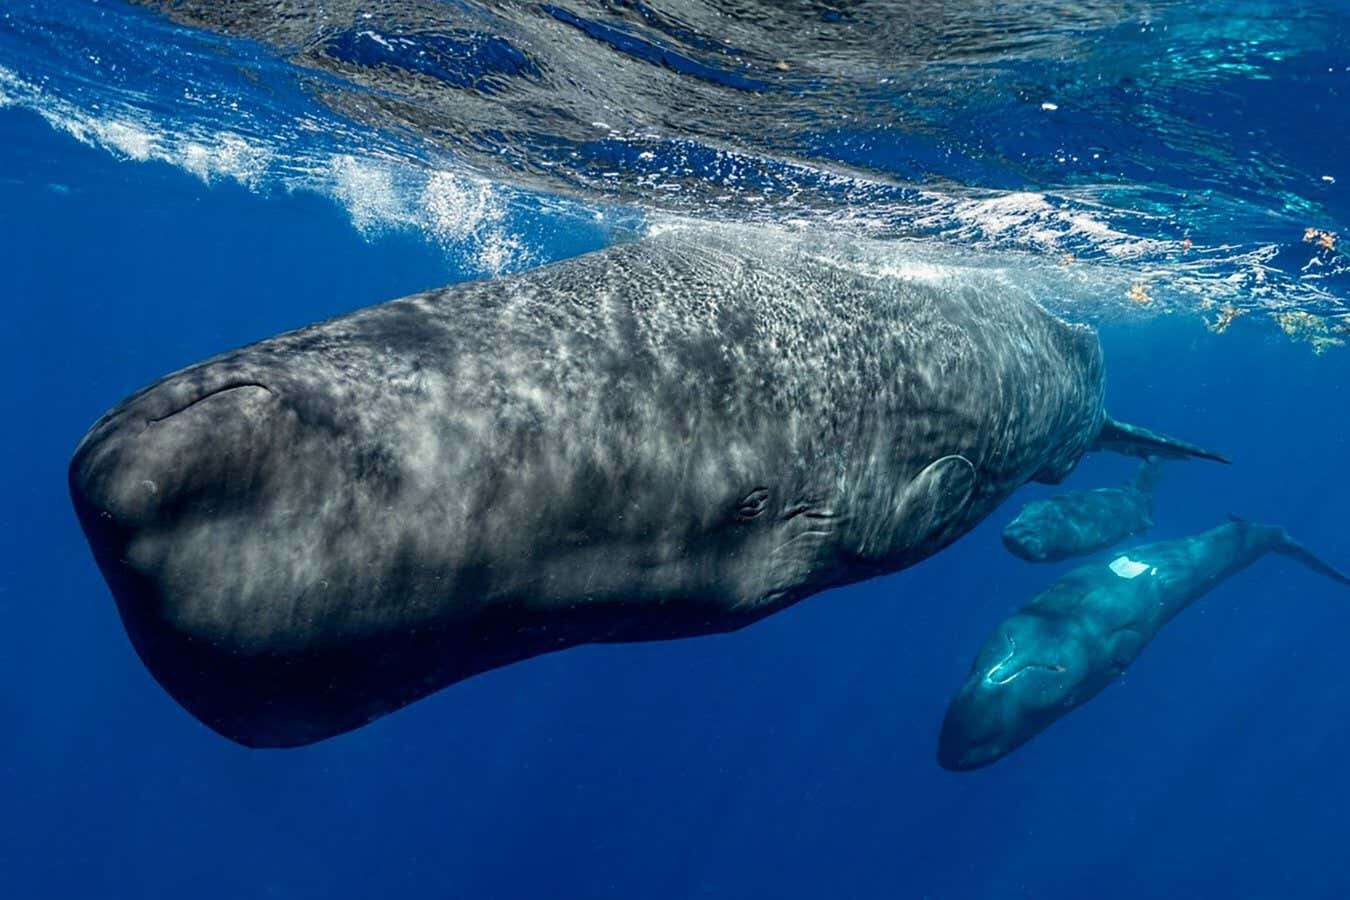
{"x": 291, "y": 699}
{"x": 289, "y": 695}
{"x": 257, "y": 700}
{"x": 280, "y": 698}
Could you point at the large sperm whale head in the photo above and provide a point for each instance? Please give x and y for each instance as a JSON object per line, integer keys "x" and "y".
{"x": 183, "y": 491}
{"x": 1030, "y": 672}
{"x": 223, "y": 504}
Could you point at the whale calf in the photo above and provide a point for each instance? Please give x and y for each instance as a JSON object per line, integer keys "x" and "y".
{"x": 1076, "y": 523}
{"x": 665, "y": 438}
{"x": 1060, "y": 650}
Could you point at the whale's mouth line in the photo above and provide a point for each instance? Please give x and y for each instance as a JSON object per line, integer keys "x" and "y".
{"x": 223, "y": 389}
{"x": 996, "y": 677}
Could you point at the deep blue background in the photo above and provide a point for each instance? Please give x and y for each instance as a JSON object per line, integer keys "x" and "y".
{"x": 794, "y": 759}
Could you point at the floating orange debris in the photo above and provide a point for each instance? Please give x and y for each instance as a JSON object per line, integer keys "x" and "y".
{"x": 1324, "y": 239}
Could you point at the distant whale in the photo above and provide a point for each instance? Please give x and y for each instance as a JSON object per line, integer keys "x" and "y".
{"x": 1075, "y": 523}
{"x": 662, "y": 439}
{"x": 1061, "y": 649}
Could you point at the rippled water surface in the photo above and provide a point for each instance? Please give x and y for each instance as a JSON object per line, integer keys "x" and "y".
{"x": 1117, "y": 158}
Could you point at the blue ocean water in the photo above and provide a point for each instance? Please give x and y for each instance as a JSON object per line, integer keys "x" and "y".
{"x": 140, "y": 232}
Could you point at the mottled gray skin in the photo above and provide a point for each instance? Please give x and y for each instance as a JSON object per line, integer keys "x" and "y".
{"x": 1076, "y": 523}
{"x": 660, "y": 439}
{"x": 1060, "y": 650}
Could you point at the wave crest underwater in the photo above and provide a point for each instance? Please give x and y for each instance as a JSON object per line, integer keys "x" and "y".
{"x": 1079, "y": 151}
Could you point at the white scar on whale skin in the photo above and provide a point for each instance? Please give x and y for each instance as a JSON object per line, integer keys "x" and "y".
{"x": 1130, "y": 568}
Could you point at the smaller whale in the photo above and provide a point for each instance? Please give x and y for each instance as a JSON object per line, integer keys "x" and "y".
{"x": 1076, "y": 523}
{"x": 1072, "y": 640}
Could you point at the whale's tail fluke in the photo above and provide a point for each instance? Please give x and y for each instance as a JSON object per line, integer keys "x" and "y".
{"x": 1132, "y": 440}
{"x": 1281, "y": 542}
{"x": 1290, "y": 547}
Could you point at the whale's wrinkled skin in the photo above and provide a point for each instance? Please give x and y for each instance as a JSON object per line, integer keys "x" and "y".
{"x": 1076, "y": 523}
{"x": 661, "y": 439}
{"x": 1060, "y": 650}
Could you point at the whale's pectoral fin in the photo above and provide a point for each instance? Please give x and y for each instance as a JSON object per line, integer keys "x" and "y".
{"x": 935, "y": 499}
{"x": 1133, "y": 440}
{"x": 923, "y": 515}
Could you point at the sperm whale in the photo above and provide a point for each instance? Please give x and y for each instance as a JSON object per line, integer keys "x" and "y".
{"x": 1071, "y": 641}
{"x": 1076, "y": 523}
{"x": 665, "y": 438}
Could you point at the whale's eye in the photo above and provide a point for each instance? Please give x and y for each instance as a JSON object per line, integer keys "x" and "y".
{"x": 753, "y": 504}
